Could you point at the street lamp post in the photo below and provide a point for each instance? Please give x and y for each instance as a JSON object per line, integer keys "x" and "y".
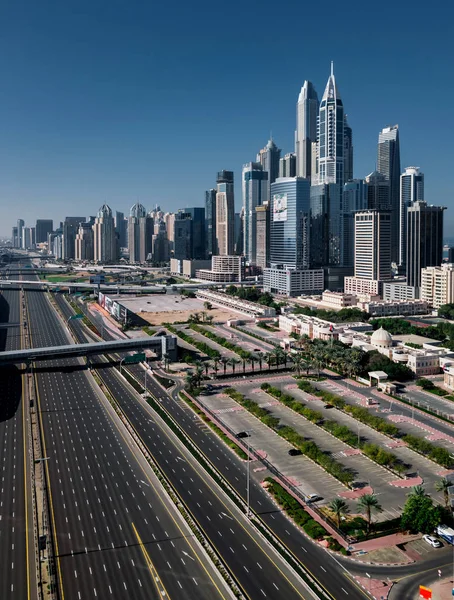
{"x": 359, "y": 439}
{"x": 121, "y": 362}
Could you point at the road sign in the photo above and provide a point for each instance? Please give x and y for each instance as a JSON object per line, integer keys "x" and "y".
{"x": 135, "y": 358}
{"x": 425, "y": 592}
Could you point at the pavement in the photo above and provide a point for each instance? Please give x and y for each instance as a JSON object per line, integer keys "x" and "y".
{"x": 116, "y": 533}
{"x": 14, "y": 530}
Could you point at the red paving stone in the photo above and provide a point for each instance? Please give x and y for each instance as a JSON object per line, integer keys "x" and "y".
{"x": 445, "y": 472}
{"x": 352, "y": 495}
{"x": 262, "y": 453}
{"x": 378, "y": 588}
{"x": 396, "y": 444}
{"x": 407, "y": 483}
{"x": 384, "y": 542}
{"x": 351, "y": 452}
{"x": 430, "y": 430}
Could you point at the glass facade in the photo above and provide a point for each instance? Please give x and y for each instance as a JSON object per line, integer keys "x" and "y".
{"x": 255, "y": 193}
{"x": 289, "y": 223}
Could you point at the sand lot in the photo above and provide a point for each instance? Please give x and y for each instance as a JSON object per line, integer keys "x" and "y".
{"x": 220, "y": 315}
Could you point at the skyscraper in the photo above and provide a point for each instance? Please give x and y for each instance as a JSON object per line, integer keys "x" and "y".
{"x": 70, "y": 227}
{"x": 225, "y": 214}
{"x": 20, "y": 226}
{"x": 373, "y": 245}
{"x": 289, "y": 228}
{"x": 43, "y": 228}
{"x": 104, "y": 238}
{"x": 388, "y": 164}
{"x": 330, "y": 135}
{"x": 378, "y": 192}
{"x": 210, "y": 222}
{"x": 198, "y": 249}
{"x": 14, "y": 238}
{"x": 354, "y": 198}
{"x": 424, "y": 239}
{"x": 306, "y": 129}
{"x": 287, "y": 165}
{"x": 121, "y": 229}
{"x": 255, "y": 193}
{"x": 269, "y": 157}
{"x": 411, "y": 190}
{"x": 140, "y": 231}
{"x": 348, "y": 151}
{"x": 182, "y": 245}
{"x": 262, "y": 259}
{"x": 84, "y": 242}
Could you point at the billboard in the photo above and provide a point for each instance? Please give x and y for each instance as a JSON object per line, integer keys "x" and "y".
{"x": 279, "y": 207}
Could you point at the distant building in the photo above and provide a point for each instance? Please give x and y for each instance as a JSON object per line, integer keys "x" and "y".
{"x": 224, "y": 269}
{"x": 348, "y": 151}
{"x": 84, "y": 249}
{"x": 262, "y": 217}
{"x": 28, "y": 238}
{"x": 43, "y": 228}
{"x": 424, "y": 239}
{"x": 140, "y": 232}
{"x": 411, "y": 190}
{"x": 20, "y": 226}
{"x": 121, "y": 228}
{"x": 210, "y": 222}
{"x": 104, "y": 238}
{"x": 437, "y": 285}
{"x": 225, "y": 214}
{"x": 293, "y": 282}
{"x": 269, "y": 157}
{"x": 14, "y": 238}
{"x": 255, "y": 193}
{"x": 160, "y": 245}
{"x": 189, "y": 234}
{"x": 306, "y": 130}
{"x": 70, "y": 228}
{"x": 378, "y": 191}
{"x": 399, "y": 291}
{"x": 287, "y": 165}
{"x": 388, "y": 164}
{"x": 354, "y": 198}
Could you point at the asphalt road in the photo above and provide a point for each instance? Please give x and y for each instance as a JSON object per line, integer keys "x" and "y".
{"x": 259, "y": 571}
{"x": 117, "y": 534}
{"x": 14, "y": 582}
{"x": 320, "y": 563}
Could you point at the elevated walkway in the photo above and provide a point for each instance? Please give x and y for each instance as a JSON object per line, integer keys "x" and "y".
{"x": 161, "y": 345}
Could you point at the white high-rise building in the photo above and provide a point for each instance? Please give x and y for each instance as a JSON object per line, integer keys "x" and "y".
{"x": 140, "y": 232}
{"x": 330, "y": 135}
{"x": 105, "y": 243}
{"x": 225, "y": 213}
{"x": 306, "y": 130}
{"x": 411, "y": 190}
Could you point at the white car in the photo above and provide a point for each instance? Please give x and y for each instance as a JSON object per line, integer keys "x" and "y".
{"x": 430, "y": 539}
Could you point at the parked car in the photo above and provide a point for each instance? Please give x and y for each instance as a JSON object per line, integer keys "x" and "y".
{"x": 430, "y": 539}
{"x": 314, "y": 498}
{"x": 294, "y": 452}
{"x": 242, "y": 434}
{"x": 329, "y": 406}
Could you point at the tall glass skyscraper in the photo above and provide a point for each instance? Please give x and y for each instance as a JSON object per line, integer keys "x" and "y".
{"x": 210, "y": 222}
{"x": 306, "y": 128}
{"x": 388, "y": 164}
{"x": 354, "y": 198}
{"x": 225, "y": 213}
{"x": 269, "y": 158}
{"x": 255, "y": 193}
{"x": 411, "y": 190}
{"x": 289, "y": 223}
{"x": 330, "y": 136}
{"x": 348, "y": 151}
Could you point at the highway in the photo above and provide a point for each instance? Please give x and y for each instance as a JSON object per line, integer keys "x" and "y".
{"x": 330, "y": 574}
{"x": 117, "y": 534}
{"x": 15, "y": 579}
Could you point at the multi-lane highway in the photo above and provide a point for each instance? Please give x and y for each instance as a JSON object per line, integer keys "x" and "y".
{"x": 192, "y": 486}
{"x": 117, "y": 535}
{"x": 14, "y": 511}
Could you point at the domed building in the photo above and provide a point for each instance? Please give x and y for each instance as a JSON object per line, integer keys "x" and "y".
{"x": 382, "y": 340}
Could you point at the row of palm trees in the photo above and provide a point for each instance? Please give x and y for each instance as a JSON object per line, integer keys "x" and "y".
{"x": 320, "y": 354}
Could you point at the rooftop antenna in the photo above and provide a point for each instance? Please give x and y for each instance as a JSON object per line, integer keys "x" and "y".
{"x": 332, "y": 68}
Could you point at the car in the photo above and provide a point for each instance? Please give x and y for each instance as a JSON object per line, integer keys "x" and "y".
{"x": 430, "y": 539}
{"x": 314, "y": 497}
{"x": 294, "y": 452}
{"x": 329, "y": 406}
{"x": 242, "y": 434}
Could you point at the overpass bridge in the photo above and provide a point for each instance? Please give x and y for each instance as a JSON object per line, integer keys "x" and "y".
{"x": 166, "y": 344}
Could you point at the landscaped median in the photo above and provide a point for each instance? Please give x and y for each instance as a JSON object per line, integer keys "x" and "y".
{"x": 341, "y": 432}
{"x": 201, "y": 346}
{"x": 435, "y": 453}
{"x": 308, "y": 447}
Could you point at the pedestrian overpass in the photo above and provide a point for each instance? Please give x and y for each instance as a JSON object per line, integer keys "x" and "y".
{"x": 162, "y": 345}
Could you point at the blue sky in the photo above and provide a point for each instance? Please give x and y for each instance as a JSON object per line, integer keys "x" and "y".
{"x": 136, "y": 100}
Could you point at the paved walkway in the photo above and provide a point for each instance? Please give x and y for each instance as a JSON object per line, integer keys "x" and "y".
{"x": 388, "y": 540}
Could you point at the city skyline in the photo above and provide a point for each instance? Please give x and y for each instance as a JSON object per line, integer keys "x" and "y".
{"x": 102, "y": 131}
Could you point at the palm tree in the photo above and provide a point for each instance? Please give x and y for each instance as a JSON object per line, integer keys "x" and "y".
{"x": 198, "y": 372}
{"x": 252, "y": 360}
{"x": 233, "y": 362}
{"x": 189, "y": 380}
{"x": 206, "y": 366}
{"x": 225, "y": 362}
{"x": 367, "y": 504}
{"x": 268, "y": 358}
{"x": 418, "y": 491}
{"x": 277, "y": 354}
{"x": 216, "y": 366}
{"x": 285, "y": 357}
{"x": 260, "y": 359}
{"x": 339, "y": 507}
{"x": 442, "y": 486}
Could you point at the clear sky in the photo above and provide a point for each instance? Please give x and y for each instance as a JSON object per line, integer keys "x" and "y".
{"x": 126, "y": 101}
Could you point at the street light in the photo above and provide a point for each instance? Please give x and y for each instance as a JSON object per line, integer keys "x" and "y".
{"x": 248, "y": 476}
{"x": 121, "y": 362}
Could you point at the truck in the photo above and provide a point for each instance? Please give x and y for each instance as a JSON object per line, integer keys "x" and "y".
{"x": 446, "y": 533}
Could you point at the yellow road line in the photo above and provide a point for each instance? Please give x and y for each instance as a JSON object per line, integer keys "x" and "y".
{"x": 159, "y": 496}
{"x": 207, "y": 483}
{"x": 154, "y": 574}
{"x": 24, "y": 434}
{"x": 49, "y": 491}
{"x": 449, "y": 564}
